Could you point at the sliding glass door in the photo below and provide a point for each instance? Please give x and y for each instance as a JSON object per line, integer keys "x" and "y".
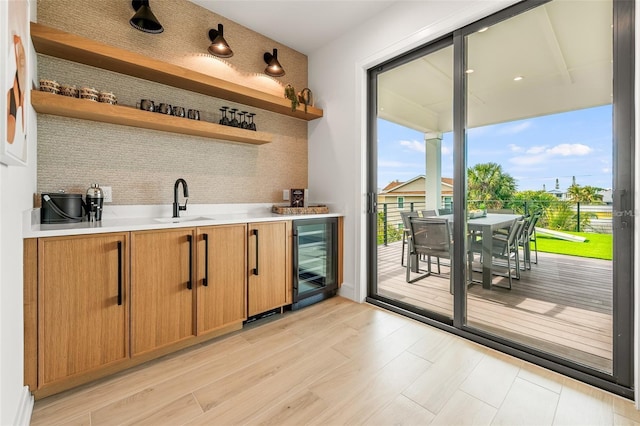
{"x": 539, "y": 146}
{"x": 518, "y": 131}
{"x": 414, "y": 168}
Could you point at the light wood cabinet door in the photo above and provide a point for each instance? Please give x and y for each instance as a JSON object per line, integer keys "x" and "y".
{"x": 162, "y": 288}
{"x": 82, "y": 304}
{"x": 269, "y": 270}
{"x": 222, "y": 278}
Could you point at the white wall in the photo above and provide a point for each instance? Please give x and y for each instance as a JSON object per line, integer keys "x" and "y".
{"x": 17, "y": 184}
{"x": 337, "y": 142}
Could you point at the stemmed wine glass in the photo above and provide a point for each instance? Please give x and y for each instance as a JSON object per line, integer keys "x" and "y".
{"x": 234, "y": 120}
{"x": 244, "y": 123}
{"x": 251, "y": 125}
{"x": 223, "y": 119}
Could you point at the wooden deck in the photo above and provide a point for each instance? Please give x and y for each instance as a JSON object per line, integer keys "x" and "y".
{"x": 563, "y": 305}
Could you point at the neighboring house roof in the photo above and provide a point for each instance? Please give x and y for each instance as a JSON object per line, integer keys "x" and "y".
{"x": 391, "y": 185}
{"x": 398, "y": 188}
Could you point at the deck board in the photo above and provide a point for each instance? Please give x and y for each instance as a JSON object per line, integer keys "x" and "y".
{"x": 563, "y": 305}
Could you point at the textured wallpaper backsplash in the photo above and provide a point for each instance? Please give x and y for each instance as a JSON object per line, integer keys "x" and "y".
{"x": 142, "y": 165}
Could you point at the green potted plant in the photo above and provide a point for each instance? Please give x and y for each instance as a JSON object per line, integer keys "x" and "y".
{"x": 290, "y": 93}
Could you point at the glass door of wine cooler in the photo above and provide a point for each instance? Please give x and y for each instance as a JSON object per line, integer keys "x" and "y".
{"x": 314, "y": 260}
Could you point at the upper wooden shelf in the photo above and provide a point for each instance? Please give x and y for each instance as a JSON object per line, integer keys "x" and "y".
{"x": 53, "y": 42}
{"x": 48, "y": 103}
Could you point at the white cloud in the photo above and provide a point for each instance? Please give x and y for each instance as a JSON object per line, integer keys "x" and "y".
{"x": 566, "y": 149}
{"x": 413, "y": 145}
{"x": 515, "y": 148}
{"x": 540, "y": 154}
{"x": 516, "y": 128}
{"x": 536, "y": 149}
{"x": 445, "y": 150}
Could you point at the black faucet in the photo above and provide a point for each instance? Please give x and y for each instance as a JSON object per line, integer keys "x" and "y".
{"x": 185, "y": 192}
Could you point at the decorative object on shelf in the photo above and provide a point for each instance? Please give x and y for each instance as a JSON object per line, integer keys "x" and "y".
{"x": 164, "y": 108}
{"x": 89, "y": 93}
{"x": 274, "y": 69}
{"x": 146, "y": 105}
{"x": 68, "y": 90}
{"x": 50, "y": 86}
{"x": 219, "y": 46}
{"x": 305, "y": 97}
{"x": 107, "y": 98}
{"x": 144, "y": 19}
{"x": 290, "y": 93}
{"x": 193, "y": 114}
{"x": 178, "y": 111}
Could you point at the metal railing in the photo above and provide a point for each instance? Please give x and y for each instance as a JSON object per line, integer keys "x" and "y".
{"x": 559, "y": 215}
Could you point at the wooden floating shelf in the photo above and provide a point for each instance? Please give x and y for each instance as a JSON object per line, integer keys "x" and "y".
{"x": 64, "y": 106}
{"x": 60, "y": 44}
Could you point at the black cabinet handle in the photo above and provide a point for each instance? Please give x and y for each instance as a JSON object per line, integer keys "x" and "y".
{"x": 255, "y": 270}
{"x": 119, "y": 272}
{"x": 205, "y": 280}
{"x": 296, "y": 253}
{"x": 189, "y": 284}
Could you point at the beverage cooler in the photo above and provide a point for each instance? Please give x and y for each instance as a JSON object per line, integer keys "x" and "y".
{"x": 315, "y": 260}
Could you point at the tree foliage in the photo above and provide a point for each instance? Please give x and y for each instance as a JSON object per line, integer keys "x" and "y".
{"x": 488, "y": 184}
{"x": 393, "y": 233}
{"x": 584, "y": 194}
{"x": 531, "y": 201}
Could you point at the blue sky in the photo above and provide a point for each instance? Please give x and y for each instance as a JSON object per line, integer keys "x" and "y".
{"x": 534, "y": 151}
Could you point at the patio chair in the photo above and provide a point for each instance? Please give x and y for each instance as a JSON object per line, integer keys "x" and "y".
{"x": 527, "y": 237}
{"x": 442, "y": 212}
{"x": 429, "y": 237}
{"x": 429, "y": 213}
{"x": 406, "y": 234}
{"x": 504, "y": 248}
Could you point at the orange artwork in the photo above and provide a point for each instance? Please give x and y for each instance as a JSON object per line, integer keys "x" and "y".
{"x": 15, "y": 95}
{"x": 16, "y": 81}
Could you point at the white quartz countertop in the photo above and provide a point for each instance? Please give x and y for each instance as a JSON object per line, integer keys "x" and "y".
{"x": 140, "y": 218}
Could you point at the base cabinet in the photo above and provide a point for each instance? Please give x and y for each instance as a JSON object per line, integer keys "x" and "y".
{"x": 97, "y": 304}
{"x": 162, "y": 288}
{"x": 83, "y": 305}
{"x": 222, "y": 278}
{"x": 269, "y": 284}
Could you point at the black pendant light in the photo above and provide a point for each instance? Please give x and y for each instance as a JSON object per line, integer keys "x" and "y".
{"x": 274, "y": 69}
{"x": 219, "y": 46}
{"x": 144, "y": 19}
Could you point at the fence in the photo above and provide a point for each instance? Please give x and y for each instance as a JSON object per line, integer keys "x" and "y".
{"x": 560, "y": 215}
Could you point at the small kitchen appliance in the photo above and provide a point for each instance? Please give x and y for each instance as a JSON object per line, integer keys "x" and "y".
{"x": 94, "y": 200}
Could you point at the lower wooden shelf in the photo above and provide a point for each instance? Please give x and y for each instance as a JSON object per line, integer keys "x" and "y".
{"x": 64, "y": 106}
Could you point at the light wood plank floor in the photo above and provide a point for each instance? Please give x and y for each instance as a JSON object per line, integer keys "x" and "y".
{"x": 333, "y": 363}
{"x": 563, "y": 305}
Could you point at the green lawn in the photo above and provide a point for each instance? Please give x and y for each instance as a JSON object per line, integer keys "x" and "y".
{"x": 598, "y": 246}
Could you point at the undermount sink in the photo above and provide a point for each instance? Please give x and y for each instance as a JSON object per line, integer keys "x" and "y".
{"x": 180, "y": 219}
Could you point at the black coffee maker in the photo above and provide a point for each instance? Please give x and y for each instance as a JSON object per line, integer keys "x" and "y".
{"x": 94, "y": 200}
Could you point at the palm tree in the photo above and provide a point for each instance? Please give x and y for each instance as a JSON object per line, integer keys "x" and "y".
{"x": 584, "y": 194}
{"x": 488, "y": 184}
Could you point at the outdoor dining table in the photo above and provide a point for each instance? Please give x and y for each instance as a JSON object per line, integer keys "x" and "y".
{"x": 487, "y": 225}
